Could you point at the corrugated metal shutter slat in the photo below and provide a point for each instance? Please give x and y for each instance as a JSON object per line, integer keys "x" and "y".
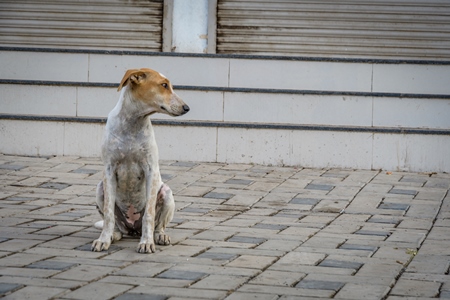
{"x": 78, "y": 24}
{"x": 411, "y": 29}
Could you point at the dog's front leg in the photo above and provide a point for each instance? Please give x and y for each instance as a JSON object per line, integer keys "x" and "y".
{"x": 147, "y": 244}
{"x": 105, "y": 239}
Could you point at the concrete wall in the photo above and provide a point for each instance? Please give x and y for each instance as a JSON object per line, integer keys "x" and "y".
{"x": 318, "y": 113}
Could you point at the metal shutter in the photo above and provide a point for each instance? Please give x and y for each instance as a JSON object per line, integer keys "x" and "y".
{"x": 411, "y": 29}
{"x": 82, "y": 24}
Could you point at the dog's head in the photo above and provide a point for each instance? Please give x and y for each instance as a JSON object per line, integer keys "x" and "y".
{"x": 155, "y": 91}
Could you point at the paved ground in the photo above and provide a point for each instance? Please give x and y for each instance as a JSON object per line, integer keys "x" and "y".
{"x": 240, "y": 232}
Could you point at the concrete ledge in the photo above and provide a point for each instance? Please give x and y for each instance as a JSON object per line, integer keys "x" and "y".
{"x": 238, "y": 105}
{"x": 420, "y": 77}
{"x": 304, "y": 147}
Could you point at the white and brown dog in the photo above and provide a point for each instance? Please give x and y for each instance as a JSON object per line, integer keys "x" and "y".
{"x": 132, "y": 198}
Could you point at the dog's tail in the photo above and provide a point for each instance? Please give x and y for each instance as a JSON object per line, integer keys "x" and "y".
{"x": 99, "y": 225}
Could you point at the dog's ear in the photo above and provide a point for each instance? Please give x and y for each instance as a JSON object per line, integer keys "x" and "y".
{"x": 133, "y": 75}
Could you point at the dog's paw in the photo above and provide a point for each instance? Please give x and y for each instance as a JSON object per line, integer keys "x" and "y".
{"x": 162, "y": 239}
{"x": 146, "y": 248}
{"x": 99, "y": 245}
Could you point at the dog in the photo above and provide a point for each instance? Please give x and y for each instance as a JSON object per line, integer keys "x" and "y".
{"x": 131, "y": 198}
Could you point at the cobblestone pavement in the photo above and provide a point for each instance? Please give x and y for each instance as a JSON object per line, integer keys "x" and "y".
{"x": 240, "y": 232}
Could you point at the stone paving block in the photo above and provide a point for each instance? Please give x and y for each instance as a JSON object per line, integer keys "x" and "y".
{"x": 330, "y": 206}
{"x": 4, "y": 194}
{"x": 189, "y": 265}
{"x": 42, "y": 281}
{"x": 362, "y": 291}
{"x": 395, "y": 206}
{"x": 251, "y": 296}
{"x": 403, "y": 192}
{"x": 141, "y": 296}
{"x": 182, "y": 250}
{"x": 191, "y": 209}
{"x": 54, "y": 185}
{"x": 375, "y": 279}
{"x": 85, "y": 273}
{"x": 431, "y": 264}
{"x": 6, "y": 288}
{"x": 379, "y": 269}
{"x": 270, "y": 277}
{"x": 301, "y": 258}
{"x": 86, "y": 171}
{"x": 220, "y": 282}
{"x": 21, "y": 199}
{"x": 345, "y": 192}
{"x": 284, "y": 290}
{"x": 305, "y": 201}
{"x": 102, "y": 291}
{"x": 415, "y": 288}
{"x": 343, "y": 253}
{"x": 36, "y": 292}
{"x": 245, "y": 239}
{"x": 21, "y": 259}
{"x": 262, "y": 186}
{"x": 324, "y": 219}
{"x": 11, "y": 167}
{"x": 145, "y": 281}
{"x": 348, "y": 246}
{"x": 384, "y": 220}
{"x": 215, "y": 195}
{"x": 52, "y": 265}
{"x": 331, "y": 263}
{"x": 423, "y": 211}
{"x": 218, "y": 256}
{"x": 300, "y": 233}
{"x": 67, "y": 242}
{"x": 196, "y": 225}
{"x": 60, "y": 230}
{"x": 239, "y": 181}
{"x": 324, "y": 242}
{"x": 320, "y": 285}
{"x": 420, "y": 180}
{"x": 185, "y": 164}
{"x": 279, "y": 245}
{"x": 270, "y": 226}
{"x": 244, "y": 200}
{"x": 183, "y": 275}
{"x": 212, "y": 235}
{"x": 414, "y": 237}
{"x": 438, "y": 233}
{"x": 18, "y": 244}
{"x": 76, "y": 190}
{"x": 431, "y": 195}
{"x": 143, "y": 269}
{"x": 27, "y": 272}
{"x": 320, "y": 187}
{"x": 32, "y": 182}
{"x": 184, "y": 293}
{"x": 384, "y": 234}
{"x": 252, "y": 261}
{"x": 195, "y": 191}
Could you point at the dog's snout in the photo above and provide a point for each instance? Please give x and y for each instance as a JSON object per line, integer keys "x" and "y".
{"x": 186, "y": 108}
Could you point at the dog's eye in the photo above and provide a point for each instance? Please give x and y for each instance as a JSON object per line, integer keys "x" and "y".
{"x": 165, "y": 85}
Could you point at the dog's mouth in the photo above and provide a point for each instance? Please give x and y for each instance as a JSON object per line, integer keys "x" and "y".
{"x": 185, "y": 109}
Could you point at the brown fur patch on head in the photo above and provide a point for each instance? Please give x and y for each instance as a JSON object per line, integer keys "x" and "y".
{"x": 135, "y": 75}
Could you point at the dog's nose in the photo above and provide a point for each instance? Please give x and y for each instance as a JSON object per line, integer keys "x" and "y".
{"x": 186, "y": 108}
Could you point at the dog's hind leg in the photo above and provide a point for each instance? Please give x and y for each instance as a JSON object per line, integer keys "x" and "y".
{"x": 100, "y": 201}
{"x": 165, "y": 208}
